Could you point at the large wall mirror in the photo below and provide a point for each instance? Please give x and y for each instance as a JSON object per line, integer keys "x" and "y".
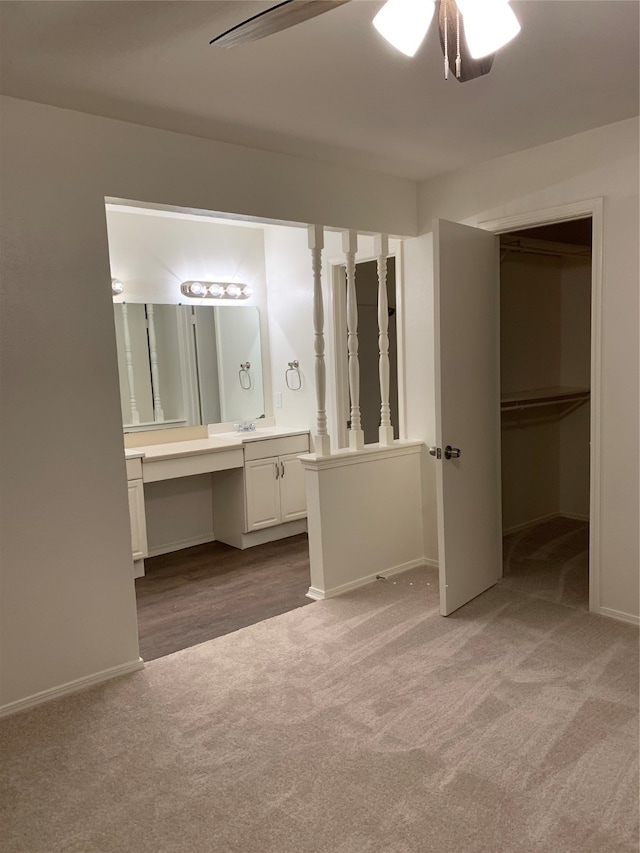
{"x": 184, "y": 365}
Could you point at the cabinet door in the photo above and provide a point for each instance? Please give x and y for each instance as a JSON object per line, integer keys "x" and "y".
{"x": 263, "y": 493}
{"x": 293, "y": 499}
{"x": 138, "y": 522}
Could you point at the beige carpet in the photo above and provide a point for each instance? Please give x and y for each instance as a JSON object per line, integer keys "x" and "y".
{"x": 550, "y": 560}
{"x": 366, "y": 724}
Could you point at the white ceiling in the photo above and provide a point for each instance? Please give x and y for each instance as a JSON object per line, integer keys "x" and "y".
{"x": 329, "y": 89}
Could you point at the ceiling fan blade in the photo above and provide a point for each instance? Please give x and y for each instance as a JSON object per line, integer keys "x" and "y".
{"x": 470, "y": 68}
{"x": 273, "y": 20}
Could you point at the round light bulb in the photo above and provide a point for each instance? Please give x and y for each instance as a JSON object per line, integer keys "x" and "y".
{"x": 116, "y": 286}
{"x": 233, "y": 290}
{"x": 196, "y": 288}
{"x": 247, "y": 291}
{"x": 216, "y": 290}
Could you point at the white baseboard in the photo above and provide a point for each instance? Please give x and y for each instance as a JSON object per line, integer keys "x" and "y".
{"x": 323, "y": 594}
{"x": 550, "y": 517}
{"x": 516, "y": 528}
{"x": 619, "y": 614}
{"x": 70, "y": 687}
{"x": 266, "y": 534}
{"x": 169, "y": 547}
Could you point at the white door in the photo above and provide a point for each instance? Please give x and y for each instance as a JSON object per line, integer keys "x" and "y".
{"x": 293, "y": 498}
{"x": 467, "y": 347}
{"x": 262, "y": 493}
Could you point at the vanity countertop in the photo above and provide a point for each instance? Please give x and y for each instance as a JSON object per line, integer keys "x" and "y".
{"x": 259, "y": 434}
{"x": 214, "y": 444}
{"x": 133, "y": 453}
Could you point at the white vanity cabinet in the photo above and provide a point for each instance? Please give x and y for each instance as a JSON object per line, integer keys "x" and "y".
{"x": 137, "y": 515}
{"x": 269, "y": 492}
{"x": 274, "y": 491}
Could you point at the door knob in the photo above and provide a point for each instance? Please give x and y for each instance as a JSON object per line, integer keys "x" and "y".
{"x": 435, "y": 451}
{"x": 451, "y": 452}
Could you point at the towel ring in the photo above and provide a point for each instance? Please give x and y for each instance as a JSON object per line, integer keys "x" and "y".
{"x": 292, "y": 376}
{"x": 244, "y": 376}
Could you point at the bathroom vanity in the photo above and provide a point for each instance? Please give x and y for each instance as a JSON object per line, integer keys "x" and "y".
{"x": 257, "y": 483}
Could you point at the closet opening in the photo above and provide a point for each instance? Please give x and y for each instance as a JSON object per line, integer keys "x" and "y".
{"x": 545, "y": 366}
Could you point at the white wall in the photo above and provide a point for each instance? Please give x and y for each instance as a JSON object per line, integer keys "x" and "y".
{"x": 599, "y": 163}
{"x": 382, "y": 532}
{"x": 68, "y": 605}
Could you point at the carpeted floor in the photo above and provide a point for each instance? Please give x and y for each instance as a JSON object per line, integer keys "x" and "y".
{"x": 363, "y": 724}
{"x": 549, "y": 560}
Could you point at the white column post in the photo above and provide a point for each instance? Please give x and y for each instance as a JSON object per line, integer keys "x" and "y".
{"x": 158, "y": 414}
{"x": 322, "y": 443}
{"x": 381, "y": 243}
{"x": 133, "y": 406}
{"x": 350, "y": 247}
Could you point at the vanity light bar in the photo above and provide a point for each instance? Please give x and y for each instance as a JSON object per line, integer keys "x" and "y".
{"x": 215, "y": 290}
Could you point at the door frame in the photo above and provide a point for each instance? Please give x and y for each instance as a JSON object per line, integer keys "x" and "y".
{"x": 593, "y": 209}
{"x": 338, "y": 313}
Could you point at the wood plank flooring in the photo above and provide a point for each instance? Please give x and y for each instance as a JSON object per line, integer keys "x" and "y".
{"x": 193, "y": 595}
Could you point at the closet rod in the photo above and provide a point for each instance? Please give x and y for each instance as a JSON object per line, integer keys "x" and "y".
{"x": 535, "y": 250}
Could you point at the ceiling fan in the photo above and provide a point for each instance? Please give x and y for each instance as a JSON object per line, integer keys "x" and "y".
{"x": 471, "y": 31}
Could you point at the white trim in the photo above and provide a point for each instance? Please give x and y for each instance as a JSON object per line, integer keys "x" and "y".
{"x": 369, "y": 453}
{"x": 71, "y": 687}
{"x": 169, "y": 547}
{"x": 549, "y": 517}
{"x": 574, "y": 516}
{"x": 525, "y": 525}
{"x": 593, "y": 208}
{"x": 620, "y": 615}
{"x": 322, "y": 595}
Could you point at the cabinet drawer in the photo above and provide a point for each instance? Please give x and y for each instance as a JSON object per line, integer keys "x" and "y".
{"x": 134, "y": 469}
{"x": 267, "y": 447}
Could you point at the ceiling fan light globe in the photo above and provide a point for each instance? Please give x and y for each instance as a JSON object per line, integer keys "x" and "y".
{"x": 488, "y": 25}
{"x": 404, "y": 23}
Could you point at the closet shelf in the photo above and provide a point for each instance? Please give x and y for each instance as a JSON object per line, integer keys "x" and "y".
{"x": 536, "y": 397}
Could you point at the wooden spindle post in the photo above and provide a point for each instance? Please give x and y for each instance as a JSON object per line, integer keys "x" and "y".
{"x": 128, "y": 356}
{"x": 381, "y": 244}
{"x": 350, "y": 247}
{"x": 158, "y": 414}
{"x": 322, "y": 444}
